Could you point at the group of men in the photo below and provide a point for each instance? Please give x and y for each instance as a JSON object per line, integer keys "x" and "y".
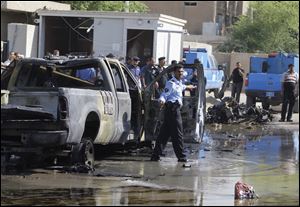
{"x": 168, "y": 90}
{"x": 169, "y": 93}
{"x": 148, "y": 72}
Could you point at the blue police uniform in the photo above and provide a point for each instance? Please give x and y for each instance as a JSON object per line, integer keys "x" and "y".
{"x": 172, "y": 125}
{"x": 173, "y": 91}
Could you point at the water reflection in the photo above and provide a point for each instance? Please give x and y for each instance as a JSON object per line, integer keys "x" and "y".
{"x": 269, "y": 163}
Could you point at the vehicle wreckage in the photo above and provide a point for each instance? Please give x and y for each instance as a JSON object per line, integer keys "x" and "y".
{"x": 230, "y": 111}
{"x": 51, "y": 112}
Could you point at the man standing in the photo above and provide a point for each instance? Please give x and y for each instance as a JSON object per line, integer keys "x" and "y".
{"x": 237, "y": 78}
{"x": 135, "y": 69}
{"x": 172, "y": 126}
{"x": 148, "y": 72}
{"x": 162, "y": 81}
{"x": 289, "y": 81}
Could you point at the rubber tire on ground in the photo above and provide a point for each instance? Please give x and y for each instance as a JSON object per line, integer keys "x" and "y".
{"x": 83, "y": 153}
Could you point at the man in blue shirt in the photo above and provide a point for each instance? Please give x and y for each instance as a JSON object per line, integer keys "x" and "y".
{"x": 88, "y": 74}
{"x": 171, "y": 98}
{"x": 135, "y": 69}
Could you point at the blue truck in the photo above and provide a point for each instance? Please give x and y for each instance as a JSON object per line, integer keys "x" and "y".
{"x": 214, "y": 74}
{"x": 263, "y": 82}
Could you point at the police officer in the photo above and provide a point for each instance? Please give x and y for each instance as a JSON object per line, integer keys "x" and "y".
{"x": 289, "y": 81}
{"x": 172, "y": 126}
{"x": 237, "y": 79}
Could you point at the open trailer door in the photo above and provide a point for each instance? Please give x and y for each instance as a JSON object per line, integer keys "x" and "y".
{"x": 192, "y": 111}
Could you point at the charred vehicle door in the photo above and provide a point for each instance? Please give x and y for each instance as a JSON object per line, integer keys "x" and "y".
{"x": 192, "y": 111}
{"x": 137, "y": 107}
{"x": 123, "y": 100}
{"x": 130, "y": 100}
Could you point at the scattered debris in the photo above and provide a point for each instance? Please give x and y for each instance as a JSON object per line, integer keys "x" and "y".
{"x": 229, "y": 111}
{"x": 244, "y": 191}
{"x": 80, "y": 168}
{"x": 187, "y": 165}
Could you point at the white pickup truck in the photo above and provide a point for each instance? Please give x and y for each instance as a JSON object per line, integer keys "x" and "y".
{"x": 52, "y": 112}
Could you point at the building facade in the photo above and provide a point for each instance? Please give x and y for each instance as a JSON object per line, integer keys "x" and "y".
{"x": 200, "y": 14}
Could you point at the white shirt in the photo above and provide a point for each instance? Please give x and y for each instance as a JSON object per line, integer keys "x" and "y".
{"x": 290, "y": 77}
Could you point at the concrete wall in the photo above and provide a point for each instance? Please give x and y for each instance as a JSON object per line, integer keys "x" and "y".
{"x": 12, "y": 17}
{"x": 108, "y": 38}
{"x": 209, "y": 29}
{"x": 230, "y": 60}
{"x": 223, "y": 58}
{"x": 244, "y": 59}
{"x": 201, "y": 11}
{"x": 23, "y": 38}
{"x": 195, "y": 15}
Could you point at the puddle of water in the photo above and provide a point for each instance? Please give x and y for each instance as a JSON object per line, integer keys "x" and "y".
{"x": 269, "y": 163}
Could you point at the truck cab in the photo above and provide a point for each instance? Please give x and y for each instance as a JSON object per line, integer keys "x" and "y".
{"x": 214, "y": 74}
{"x": 263, "y": 82}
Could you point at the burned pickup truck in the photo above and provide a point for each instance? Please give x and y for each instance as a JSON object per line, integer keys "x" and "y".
{"x": 53, "y": 111}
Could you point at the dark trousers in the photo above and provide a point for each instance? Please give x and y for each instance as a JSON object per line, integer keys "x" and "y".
{"x": 288, "y": 99}
{"x": 172, "y": 127}
{"x": 236, "y": 91}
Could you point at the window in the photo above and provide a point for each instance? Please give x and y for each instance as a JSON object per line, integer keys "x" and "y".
{"x": 118, "y": 78}
{"x": 265, "y": 67}
{"x": 130, "y": 82}
{"x": 190, "y": 3}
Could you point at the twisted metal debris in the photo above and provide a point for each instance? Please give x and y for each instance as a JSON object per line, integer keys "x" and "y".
{"x": 229, "y": 111}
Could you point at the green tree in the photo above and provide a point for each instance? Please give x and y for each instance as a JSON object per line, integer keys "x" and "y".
{"x": 134, "y": 6}
{"x": 274, "y": 27}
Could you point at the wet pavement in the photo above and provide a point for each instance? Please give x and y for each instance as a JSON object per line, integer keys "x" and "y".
{"x": 266, "y": 157}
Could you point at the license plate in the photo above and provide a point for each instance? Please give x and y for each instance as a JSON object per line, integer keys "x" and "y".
{"x": 269, "y": 94}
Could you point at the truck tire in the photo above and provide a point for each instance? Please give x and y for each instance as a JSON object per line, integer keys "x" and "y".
{"x": 250, "y": 101}
{"x": 84, "y": 153}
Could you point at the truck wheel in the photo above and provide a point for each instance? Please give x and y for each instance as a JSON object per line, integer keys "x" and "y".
{"x": 250, "y": 101}
{"x": 83, "y": 153}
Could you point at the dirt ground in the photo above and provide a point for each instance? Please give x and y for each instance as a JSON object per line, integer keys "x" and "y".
{"x": 264, "y": 156}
